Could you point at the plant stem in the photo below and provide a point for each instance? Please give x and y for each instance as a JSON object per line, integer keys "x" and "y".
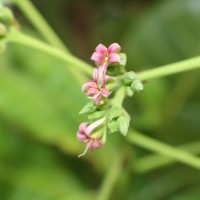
{"x": 72, "y": 61}
{"x": 118, "y": 98}
{"x": 154, "y": 161}
{"x": 110, "y": 178}
{"x": 39, "y": 22}
{"x": 177, "y": 67}
{"x": 163, "y": 149}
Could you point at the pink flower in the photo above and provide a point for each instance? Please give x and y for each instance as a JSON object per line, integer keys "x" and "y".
{"x": 105, "y": 56}
{"x": 84, "y": 134}
{"x": 96, "y": 89}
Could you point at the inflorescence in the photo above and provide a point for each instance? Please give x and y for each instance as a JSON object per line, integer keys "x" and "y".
{"x": 106, "y": 91}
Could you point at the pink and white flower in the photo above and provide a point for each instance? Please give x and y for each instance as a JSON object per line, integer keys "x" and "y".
{"x": 96, "y": 89}
{"x": 105, "y": 56}
{"x": 86, "y": 134}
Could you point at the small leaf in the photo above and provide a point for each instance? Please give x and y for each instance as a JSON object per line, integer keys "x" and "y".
{"x": 96, "y": 115}
{"x": 88, "y": 108}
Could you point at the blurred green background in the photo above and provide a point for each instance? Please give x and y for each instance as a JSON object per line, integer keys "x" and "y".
{"x": 40, "y": 101}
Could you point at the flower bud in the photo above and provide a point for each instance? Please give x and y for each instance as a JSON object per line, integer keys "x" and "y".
{"x": 137, "y": 85}
{"x": 129, "y": 77}
{"x": 123, "y": 123}
{"x": 129, "y": 91}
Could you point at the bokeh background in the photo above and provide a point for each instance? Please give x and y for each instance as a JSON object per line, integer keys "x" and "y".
{"x": 40, "y": 101}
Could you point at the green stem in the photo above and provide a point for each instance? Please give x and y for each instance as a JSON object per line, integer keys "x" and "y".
{"x": 39, "y": 22}
{"x": 118, "y": 98}
{"x": 73, "y": 62}
{"x": 182, "y": 66}
{"x": 185, "y": 65}
{"x": 163, "y": 149}
{"x": 110, "y": 179}
{"x": 154, "y": 161}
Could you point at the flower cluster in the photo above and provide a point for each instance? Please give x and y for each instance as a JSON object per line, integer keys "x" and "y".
{"x": 107, "y": 90}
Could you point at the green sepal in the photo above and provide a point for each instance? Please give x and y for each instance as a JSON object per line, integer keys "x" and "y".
{"x": 123, "y": 124}
{"x": 88, "y": 108}
{"x": 123, "y": 59}
{"x": 96, "y": 115}
{"x": 112, "y": 126}
{"x": 103, "y": 139}
{"x": 129, "y": 91}
{"x": 115, "y": 112}
{"x": 137, "y": 85}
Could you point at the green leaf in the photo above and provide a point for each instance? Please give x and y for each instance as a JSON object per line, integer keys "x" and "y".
{"x": 88, "y": 108}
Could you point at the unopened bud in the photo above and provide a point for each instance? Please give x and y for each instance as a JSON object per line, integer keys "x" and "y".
{"x": 137, "y": 85}
{"x": 129, "y": 77}
{"x": 129, "y": 91}
{"x": 122, "y": 125}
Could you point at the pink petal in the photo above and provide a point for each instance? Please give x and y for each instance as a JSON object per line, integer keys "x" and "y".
{"x": 97, "y": 57}
{"x": 83, "y": 126}
{"x": 105, "y": 93}
{"x": 114, "y": 48}
{"x": 96, "y": 143}
{"x": 107, "y": 78}
{"x": 101, "y": 49}
{"x": 113, "y": 57}
{"x": 97, "y": 98}
{"x": 92, "y": 91}
{"x": 94, "y": 125}
{"x": 81, "y": 137}
{"x": 88, "y": 84}
{"x": 81, "y": 132}
{"x": 95, "y": 75}
{"x": 101, "y": 75}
